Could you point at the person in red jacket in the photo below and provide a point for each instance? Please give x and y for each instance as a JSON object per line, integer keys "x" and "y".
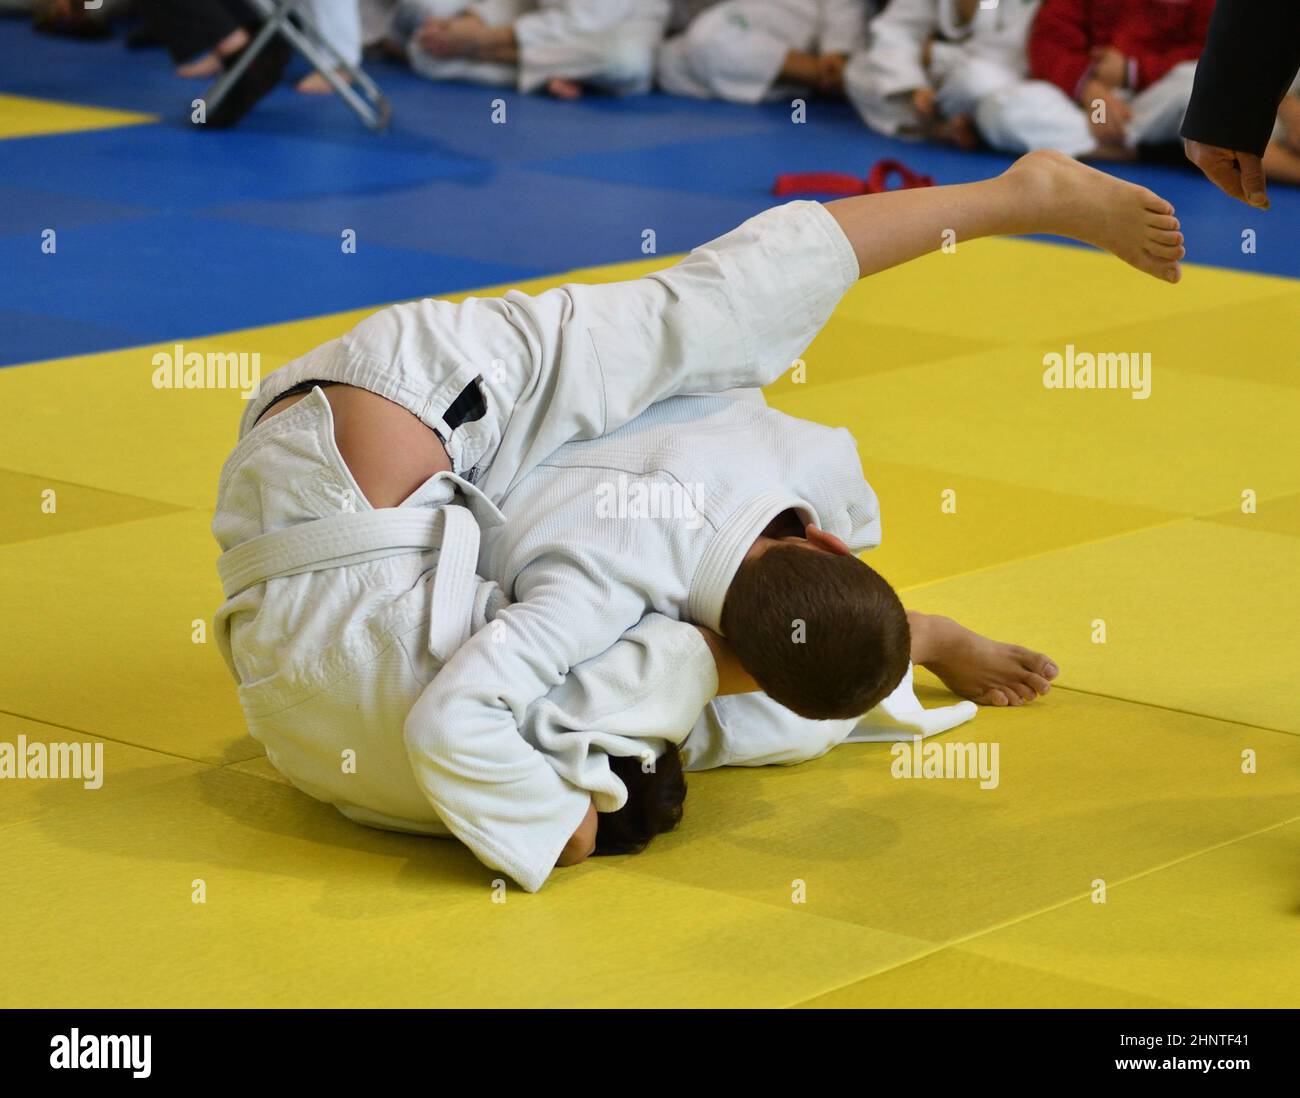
{"x": 1106, "y": 76}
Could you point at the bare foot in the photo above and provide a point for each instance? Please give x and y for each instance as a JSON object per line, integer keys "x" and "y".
{"x": 975, "y": 667}
{"x": 561, "y": 88}
{"x": 316, "y": 84}
{"x": 1072, "y": 199}
{"x": 206, "y": 66}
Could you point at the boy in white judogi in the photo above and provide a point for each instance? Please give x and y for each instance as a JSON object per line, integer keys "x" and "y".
{"x": 341, "y": 616}
{"x": 667, "y": 516}
{"x": 1107, "y": 76}
{"x": 561, "y": 46}
{"x": 750, "y": 50}
{"x": 931, "y": 62}
{"x": 338, "y": 614}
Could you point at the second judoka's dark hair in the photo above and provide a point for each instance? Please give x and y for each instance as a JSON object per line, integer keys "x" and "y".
{"x": 824, "y": 635}
{"x": 654, "y": 803}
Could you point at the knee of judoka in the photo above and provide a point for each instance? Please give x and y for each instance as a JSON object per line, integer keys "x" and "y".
{"x": 1182, "y": 76}
{"x": 822, "y": 633}
{"x": 970, "y": 82}
{"x": 711, "y": 55}
{"x": 1028, "y": 114}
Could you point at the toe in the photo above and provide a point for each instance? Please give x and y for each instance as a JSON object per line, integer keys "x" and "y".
{"x": 1165, "y": 251}
{"x": 1163, "y": 236}
{"x": 995, "y": 696}
{"x": 1024, "y": 691}
{"x": 1039, "y": 684}
{"x": 1038, "y": 664}
{"x": 1153, "y": 202}
{"x": 1164, "y": 224}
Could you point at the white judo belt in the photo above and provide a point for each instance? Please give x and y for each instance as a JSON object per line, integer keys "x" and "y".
{"x": 355, "y": 537}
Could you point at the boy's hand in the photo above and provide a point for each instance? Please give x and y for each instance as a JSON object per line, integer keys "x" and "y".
{"x": 457, "y": 37}
{"x": 830, "y": 73}
{"x": 1110, "y": 67}
{"x": 1110, "y": 125}
{"x": 583, "y": 842}
{"x": 923, "y": 102}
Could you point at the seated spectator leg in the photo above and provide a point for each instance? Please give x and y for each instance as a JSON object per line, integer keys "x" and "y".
{"x": 1158, "y": 110}
{"x": 1033, "y": 114}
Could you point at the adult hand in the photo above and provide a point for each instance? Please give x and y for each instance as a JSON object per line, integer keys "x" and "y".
{"x": 1239, "y": 175}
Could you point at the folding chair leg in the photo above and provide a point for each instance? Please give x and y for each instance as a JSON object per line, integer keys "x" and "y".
{"x": 372, "y": 108}
{"x": 226, "y": 81}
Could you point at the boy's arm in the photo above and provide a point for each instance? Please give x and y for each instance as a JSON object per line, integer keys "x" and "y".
{"x": 650, "y": 686}
{"x": 750, "y": 729}
{"x": 492, "y": 789}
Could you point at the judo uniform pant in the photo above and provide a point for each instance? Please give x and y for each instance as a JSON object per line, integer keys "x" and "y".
{"x": 617, "y": 60}
{"x": 339, "y": 22}
{"x": 331, "y": 657}
{"x": 736, "y": 50}
{"x": 1035, "y": 114}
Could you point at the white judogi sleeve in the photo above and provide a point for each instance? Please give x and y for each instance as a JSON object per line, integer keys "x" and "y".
{"x": 753, "y": 730}
{"x": 492, "y": 790}
{"x": 843, "y": 25}
{"x": 649, "y": 689}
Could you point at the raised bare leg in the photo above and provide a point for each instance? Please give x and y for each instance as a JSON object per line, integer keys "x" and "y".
{"x": 1042, "y": 192}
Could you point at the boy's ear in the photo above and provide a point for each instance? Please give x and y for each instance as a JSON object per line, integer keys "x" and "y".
{"x": 827, "y": 543}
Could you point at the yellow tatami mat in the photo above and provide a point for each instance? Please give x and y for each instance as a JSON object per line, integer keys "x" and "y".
{"x": 1149, "y": 545}
{"x": 22, "y": 116}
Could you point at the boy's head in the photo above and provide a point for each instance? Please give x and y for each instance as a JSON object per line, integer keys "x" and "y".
{"x": 654, "y": 803}
{"x": 821, "y": 632}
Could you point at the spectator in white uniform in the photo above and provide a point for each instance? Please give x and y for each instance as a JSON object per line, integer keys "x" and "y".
{"x": 750, "y": 50}
{"x": 931, "y": 62}
{"x": 558, "y": 46}
{"x": 350, "y": 511}
{"x": 1106, "y": 77}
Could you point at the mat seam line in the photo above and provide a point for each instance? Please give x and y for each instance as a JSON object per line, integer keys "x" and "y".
{"x": 957, "y": 942}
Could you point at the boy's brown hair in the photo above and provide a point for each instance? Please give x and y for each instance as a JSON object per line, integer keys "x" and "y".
{"x": 654, "y": 803}
{"x": 824, "y": 635}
